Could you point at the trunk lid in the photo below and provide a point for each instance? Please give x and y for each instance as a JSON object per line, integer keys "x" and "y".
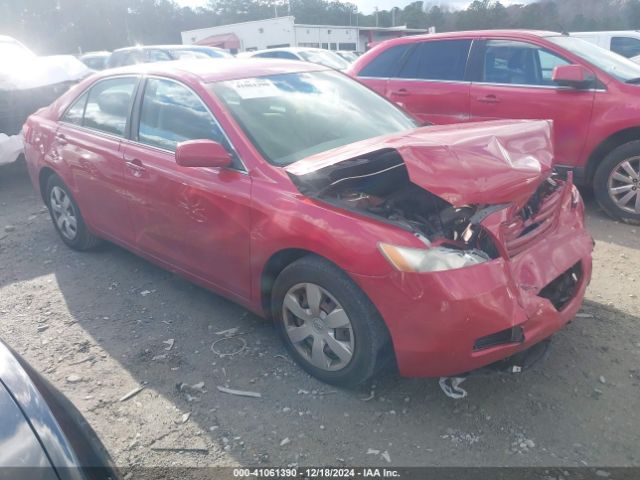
{"x": 476, "y": 163}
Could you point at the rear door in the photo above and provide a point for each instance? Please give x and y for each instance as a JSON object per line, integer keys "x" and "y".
{"x": 431, "y": 83}
{"x": 513, "y": 80}
{"x": 196, "y": 219}
{"x": 88, "y": 140}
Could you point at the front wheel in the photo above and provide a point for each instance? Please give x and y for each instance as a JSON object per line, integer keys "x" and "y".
{"x": 328, "y": 324}
{"x": 616, "y": 183}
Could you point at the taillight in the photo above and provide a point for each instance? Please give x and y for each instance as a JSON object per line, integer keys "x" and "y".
{"x": 26, "y": 132}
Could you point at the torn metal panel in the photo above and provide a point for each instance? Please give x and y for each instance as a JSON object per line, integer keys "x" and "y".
{"x": 476, "y": 163}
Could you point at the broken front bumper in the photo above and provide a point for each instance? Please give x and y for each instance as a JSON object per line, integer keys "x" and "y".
{"x": 452, "y": 322}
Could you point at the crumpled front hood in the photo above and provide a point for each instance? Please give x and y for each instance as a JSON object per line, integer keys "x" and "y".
{"x": 474, "y": 163}
{"x": 34, "y": 72}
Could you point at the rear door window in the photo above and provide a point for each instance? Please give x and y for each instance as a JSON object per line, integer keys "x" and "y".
{"x": 386, "y": 63}
{"x": 437, "y": 60}
{"x": 109, "y": 104}
{"x": 75, "y": 112}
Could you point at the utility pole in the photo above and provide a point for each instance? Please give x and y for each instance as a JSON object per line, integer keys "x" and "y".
{"x": 376, "y": 11}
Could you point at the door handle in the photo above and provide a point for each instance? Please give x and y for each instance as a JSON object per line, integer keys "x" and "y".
{"x": 61, "y": 139}
{"x": 403, "y": 92}
{"x": 136, "y": 166}
{"x": 489, "y": 99}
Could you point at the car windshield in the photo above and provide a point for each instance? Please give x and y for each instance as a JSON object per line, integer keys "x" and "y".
{"x": 615, "y": 65}
{"x": 291, "y": 116}
{"x": 328, "y": 59}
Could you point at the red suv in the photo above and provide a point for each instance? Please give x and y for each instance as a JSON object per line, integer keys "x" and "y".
{"x": 591, "y": 94}
{"x": 368, "y": 239}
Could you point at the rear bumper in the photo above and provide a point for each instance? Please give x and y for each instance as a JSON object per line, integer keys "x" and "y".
{"x": 437, "y": 320}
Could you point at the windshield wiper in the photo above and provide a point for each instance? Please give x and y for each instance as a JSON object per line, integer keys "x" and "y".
{"x": 633, "y": 81}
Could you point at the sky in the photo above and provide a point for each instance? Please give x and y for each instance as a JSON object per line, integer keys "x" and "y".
{"x": 367, "y": 6}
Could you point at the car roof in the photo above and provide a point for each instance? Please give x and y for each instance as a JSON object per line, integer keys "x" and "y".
{"x": 217, "y": 69}
{"x": 478, "y": 33}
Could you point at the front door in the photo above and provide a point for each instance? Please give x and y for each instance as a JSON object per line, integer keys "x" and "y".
{"x": 514, "y": 81}
{"x": 195, "y": 219}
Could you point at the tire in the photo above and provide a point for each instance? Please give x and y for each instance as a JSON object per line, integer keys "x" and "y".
{"x": 627, "y": 185}
{"x": 366, "y": 338}
{"x": 72, "y": 229}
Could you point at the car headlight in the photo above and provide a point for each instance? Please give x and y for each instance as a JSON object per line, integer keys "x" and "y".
{"x": 436, "y": 259}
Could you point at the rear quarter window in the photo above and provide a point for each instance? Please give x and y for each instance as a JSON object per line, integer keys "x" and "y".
{"x": 386, "y": 63}
{"x": 75, "y": 112}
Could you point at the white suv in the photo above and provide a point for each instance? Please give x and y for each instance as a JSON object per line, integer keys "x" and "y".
{"x": 623, "y": 42}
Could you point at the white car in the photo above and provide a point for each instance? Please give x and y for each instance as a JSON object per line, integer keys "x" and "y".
{"x": 314, "y": 55}
{"x": 622, "y": 42}
{"x": 27, "y": 83}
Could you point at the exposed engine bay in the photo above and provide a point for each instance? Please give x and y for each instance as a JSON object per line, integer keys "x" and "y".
{"x": 380, "y": 186}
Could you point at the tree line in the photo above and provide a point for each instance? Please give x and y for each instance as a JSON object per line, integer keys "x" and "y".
{"x": 72, "y": 26}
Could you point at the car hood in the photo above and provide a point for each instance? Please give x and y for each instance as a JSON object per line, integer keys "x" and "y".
{"x": 474, "y": 163}
{"x": 34, "y": 72}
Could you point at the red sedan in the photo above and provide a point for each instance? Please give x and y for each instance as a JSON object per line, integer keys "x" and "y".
{"x": 309, "y": 199}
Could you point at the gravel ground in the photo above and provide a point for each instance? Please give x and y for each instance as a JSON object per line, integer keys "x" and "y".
{"x": 101, "y": 324}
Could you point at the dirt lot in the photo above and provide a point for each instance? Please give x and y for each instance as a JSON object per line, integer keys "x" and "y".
{"x": 96, "y": 325}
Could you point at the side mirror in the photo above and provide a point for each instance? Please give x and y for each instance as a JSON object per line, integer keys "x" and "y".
{"x": 202, "y": 153}
{"x": 574, "y": 76}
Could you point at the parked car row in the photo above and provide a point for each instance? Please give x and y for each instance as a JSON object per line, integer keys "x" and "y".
{"x": 148, "y": 54}
{"x": 159, "y": 53}
{"x": 320, "y": 56}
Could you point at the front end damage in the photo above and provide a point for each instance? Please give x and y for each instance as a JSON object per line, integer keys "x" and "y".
{"x": 499, "y": 258}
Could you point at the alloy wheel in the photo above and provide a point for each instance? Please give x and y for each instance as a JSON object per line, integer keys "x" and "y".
{"x": 624, "y": 185}
{"x": 64, "y": 214}
{"x": 318, "y": 326}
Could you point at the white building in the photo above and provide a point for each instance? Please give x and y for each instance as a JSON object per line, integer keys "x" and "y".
{"x": 284, "y": 32}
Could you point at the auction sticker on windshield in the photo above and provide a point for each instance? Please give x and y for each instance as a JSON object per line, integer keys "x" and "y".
{"x": 254, "y": 88}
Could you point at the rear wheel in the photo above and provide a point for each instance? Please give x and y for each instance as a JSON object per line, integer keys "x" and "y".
{"x": 328, "y": 324}
{"x": 66, "y": 216}
{"x": 616, "y": 183}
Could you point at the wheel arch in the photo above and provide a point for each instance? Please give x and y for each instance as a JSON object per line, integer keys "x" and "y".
{"x": 272, "y": 268}
{"x": 607, "y": 146}
{"x": 43, "y": 178}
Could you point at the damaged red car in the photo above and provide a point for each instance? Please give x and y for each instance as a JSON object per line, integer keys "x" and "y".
{"x": 309, "y": 199}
